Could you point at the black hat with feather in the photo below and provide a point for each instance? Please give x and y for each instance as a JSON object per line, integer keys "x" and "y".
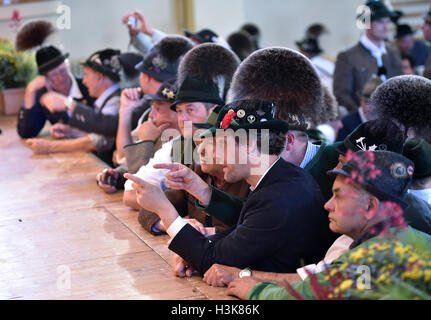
{"x": 33, "y": 34}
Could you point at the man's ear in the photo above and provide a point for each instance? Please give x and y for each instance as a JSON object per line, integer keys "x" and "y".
{"x": 373, "y": 208}
{"x": 290, "y": 140}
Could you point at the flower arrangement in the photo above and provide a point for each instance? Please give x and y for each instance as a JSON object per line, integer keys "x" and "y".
{"x": 397, "y": 272}
{"x": 17, "y": 69}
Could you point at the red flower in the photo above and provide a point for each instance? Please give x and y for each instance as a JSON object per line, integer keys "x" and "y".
{"x": 227, "y": 119}
{"x": 16, "y": 15}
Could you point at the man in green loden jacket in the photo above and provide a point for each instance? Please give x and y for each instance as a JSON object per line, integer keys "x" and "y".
{"x": 385, "y": 261}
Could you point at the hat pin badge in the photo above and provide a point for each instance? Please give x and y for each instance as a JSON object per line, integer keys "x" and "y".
{"x": 240, "y": 113}
{"x": 251, "y": 118}
{"x": 398, "y": 170}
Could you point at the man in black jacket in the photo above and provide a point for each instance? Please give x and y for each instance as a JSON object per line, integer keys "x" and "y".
{"x": 54, "y": 74}
{"x": 282, "y": 224}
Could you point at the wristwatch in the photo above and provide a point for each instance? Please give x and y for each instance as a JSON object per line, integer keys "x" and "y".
{"x": 68, "y": 102}
{"x": 245, "y": 273}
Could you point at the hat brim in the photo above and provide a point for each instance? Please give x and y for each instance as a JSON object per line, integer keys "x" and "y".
{"x": 340, "y": 147}
{"x": 272, "y": 125}
{"x": 210, "y": 100}
{"x": 381, "y": 195}
{"x": 52, "y": 64}
{"x": 155, "y": 97}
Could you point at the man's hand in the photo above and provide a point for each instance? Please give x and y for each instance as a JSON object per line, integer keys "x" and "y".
{"x": 103, "y": 180}
{"x": 130, "y": 99}
{"x": 219, "y": 275}
{"x": 53, "y": 101}
{"x": 145, "y": 25}
{"x": 149, "y": 131}
{"x": 149, "y": 196}
{"x": 181, "y": 268}
{"x": 182, "y": 178}
{"x": 30, "y": 92}
{"x": 39, "y": 146}
{"x": 241, "y": 286}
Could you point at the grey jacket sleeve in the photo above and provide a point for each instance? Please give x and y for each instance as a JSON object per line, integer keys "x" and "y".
{"x": 84, "y": 118}
{"x": 138, "y": 154}
{"x": 144, "y": 43}
{"x": 344, "y": 82}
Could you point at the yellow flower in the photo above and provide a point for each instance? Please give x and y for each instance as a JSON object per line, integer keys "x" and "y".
{"x": 357, "y": 255}
{"x": 333, "y": 272}
{"x": 384, "y": 247}
{"x": 413, "y": 274}
{"x": 370, "y": 259}
{"x": 346, "y": 284}
{"x": 337, "y": 291}
{"x": 381, "y": 278}
{"x": 344, "y": 266}
{"x": 413, "y": 258}
{"x": 330, "y": 296}
{"x": 427, "y": 275}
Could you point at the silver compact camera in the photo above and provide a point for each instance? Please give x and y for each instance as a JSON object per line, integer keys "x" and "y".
{"x": 131, "y": 21}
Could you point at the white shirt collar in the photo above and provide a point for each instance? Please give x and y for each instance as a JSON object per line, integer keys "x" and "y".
{"x": 362, "y": 115}
{"x": 74, "y": 91}
{"x": 261, "y": 178}
{"x": 311, "y": 151}
{"x": 424, "y": 194}
{"x": 372, "y": 47}
{"x": 100, "y": 100}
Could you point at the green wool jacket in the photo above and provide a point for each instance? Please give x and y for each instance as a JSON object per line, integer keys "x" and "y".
{"x": 421, "y": 242}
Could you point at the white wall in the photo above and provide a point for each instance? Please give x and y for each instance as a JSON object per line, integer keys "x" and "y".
{"x": 96, "y": 24}
{"x": 282, "y": 22}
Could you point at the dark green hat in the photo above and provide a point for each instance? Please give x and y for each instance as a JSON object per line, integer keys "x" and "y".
{"x": 246, "y": 114}
{"x": 379, "y": 10}
{"x": 419, "y": 151}
{"x": 374, "y": 135}
{"x": 386, "y": 175}
{"x": 106, "y": 62}
{"x": 196, "y": 90}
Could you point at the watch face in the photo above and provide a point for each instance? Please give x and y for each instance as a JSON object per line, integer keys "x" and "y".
{"x": 245, "y": 273}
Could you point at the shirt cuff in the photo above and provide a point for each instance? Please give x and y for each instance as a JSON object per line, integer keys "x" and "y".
{"x": 176, "y": 227}
{"x": 303, "y": 273}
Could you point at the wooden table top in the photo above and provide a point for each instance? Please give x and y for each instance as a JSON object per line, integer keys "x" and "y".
{"x": 63, "y": 238}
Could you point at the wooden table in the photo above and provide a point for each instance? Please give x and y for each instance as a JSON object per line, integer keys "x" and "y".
{"x": 63, "y": 238}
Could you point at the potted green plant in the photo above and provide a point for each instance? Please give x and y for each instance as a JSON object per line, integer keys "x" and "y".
{"x": 17, "y": 69}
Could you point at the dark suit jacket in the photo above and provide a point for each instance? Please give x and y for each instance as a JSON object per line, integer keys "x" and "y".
{"x": 281, "y": 226}
{"x": 85, "y": 119}
{"x": 354, "y": 67}
{"x": 350, "y": 123}
{"x": 31, "y": 121}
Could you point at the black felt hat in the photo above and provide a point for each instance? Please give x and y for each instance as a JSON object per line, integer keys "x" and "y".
{"x": 128, "y": 61}
{"x": 204, "y": 35}
{"x": 309, "y": 45}
{"x": 166, "y": 92}
{"x": 374, "y": 135}
{"x": 106, "y": 62}
{"x": 403, "y": 30}
{"x": 419, "y": 151}
{"x": 247, "y": 114}
{"x": 393, "y": 180}
{"x": 193, "y": 89}
{"x": 48, "y": 58}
